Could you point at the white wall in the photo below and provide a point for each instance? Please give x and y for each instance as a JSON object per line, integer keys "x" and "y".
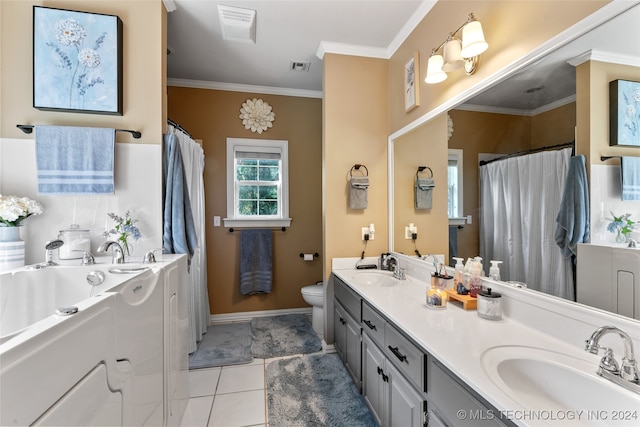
{"x": 606, "y": 196}
{"x": 138, "y": 188}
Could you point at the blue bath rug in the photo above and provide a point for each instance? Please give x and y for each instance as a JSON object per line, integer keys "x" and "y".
{"x": 222, "y": 345}
{"x": 283, "y": 335}
{"x": 314, "y": 390}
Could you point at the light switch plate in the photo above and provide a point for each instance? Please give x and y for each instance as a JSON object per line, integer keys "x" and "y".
{"x": 469, "y": 219}
{"x": 216, "y": 221}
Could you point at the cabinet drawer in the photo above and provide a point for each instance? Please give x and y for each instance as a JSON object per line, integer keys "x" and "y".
{"x": 373, "y": 324}
{"x": 405, "y": 355}
{"x": 349, "y": 299}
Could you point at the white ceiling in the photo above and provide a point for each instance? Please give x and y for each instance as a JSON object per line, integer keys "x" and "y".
{"x": 300, "y": 30}
{"x": 285, "y": 31}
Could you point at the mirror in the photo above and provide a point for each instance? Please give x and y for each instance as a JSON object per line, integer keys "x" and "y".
{"x": 534, "y": 107}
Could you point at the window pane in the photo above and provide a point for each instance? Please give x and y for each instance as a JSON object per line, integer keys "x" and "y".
{"x": 269, "y": 173}
{"x": 268, "y": 192}
{"x": 268, "y": 207}
{"x": 264, "y": 162}
{"x": 247, "y": 173}
{"x": 248, "y": 207}
{"x": 248, "y": 192}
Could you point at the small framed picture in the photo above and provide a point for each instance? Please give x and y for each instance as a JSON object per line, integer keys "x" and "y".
{"x": 411, "y": 83}
{"x": 624, "y": 113}
{"x": 77, "y": 61}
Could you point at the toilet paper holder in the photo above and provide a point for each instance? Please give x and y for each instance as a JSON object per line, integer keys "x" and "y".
{"x": 309, "y": 257}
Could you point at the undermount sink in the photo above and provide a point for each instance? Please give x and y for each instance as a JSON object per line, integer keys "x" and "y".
{"x": 544, "y": 380}
{"x": 380, "y": 278}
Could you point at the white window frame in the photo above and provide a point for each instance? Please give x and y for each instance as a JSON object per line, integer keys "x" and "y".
{"x": 457, "y": 155}
{"x": 280, "y": 147}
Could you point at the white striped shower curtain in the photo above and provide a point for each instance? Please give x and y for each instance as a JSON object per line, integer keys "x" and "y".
{"x": 519, "y": 202}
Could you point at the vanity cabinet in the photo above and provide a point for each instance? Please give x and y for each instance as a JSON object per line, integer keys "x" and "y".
{"x": 393, "y": 400}
{"x": 347, "y": 331}
{"x": 452, "y": 403}
{"x": 392, "y": 373}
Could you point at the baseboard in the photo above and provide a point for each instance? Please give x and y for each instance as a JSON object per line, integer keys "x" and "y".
{"x": 328, "y": 348}
{"x": 246, "y": 316}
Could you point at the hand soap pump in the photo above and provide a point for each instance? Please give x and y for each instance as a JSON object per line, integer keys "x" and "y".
{"x": 494, "y": 271}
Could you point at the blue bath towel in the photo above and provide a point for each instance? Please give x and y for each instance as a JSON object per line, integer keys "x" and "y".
{"x": 256, "y": 261}
{"x": 179, "y": 231}
{"x": 573, "y": 218}
{"x": 630, "y": 175}
{"x": 75, "y": 160}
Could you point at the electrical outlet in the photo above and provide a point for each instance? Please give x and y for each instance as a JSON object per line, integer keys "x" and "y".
{"x": 409, "y": 232}
{"x": 365, "y": 230}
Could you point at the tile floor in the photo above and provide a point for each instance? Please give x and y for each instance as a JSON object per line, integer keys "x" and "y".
{"x": 230, "y": 396}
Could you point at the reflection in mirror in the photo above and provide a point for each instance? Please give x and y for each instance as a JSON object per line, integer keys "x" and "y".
{"x": 540, "y": 110}
{"x": 455, "y": 178}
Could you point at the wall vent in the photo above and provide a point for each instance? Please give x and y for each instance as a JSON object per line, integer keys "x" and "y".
{"x": 237, "y": 24}
{"x": 300, "y": 66}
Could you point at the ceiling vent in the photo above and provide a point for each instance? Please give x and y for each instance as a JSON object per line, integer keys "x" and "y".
{"x": 237, "y": 24}
{"x": 300, "y": 66}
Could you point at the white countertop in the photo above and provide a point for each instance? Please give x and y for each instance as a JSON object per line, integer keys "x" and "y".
{"x": 458, "y": 338}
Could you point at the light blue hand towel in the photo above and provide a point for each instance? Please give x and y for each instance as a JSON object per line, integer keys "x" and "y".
{"x": 75, "y": 160}
{"x": 630, "y": 175}
{"x": 572, "y": 222}
{"x": 256, "y": 261}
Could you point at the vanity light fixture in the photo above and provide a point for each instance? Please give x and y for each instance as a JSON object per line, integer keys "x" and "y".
{"x": 457, "y": 53}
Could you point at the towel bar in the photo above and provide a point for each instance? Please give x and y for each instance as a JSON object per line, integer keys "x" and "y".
{"x": 231, "y": 230}
{"x": 29, "y": 128}
{"x": 603, "y": 158}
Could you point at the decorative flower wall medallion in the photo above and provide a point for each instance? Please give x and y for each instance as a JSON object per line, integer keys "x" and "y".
{"x": 257, "y": 115}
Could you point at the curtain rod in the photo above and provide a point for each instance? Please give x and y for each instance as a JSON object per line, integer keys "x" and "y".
{"x": 533, "y": 150}
{"x": 29, "y": 129}
{"x": 180, "y": 128}
{"x": 231, "y": 230}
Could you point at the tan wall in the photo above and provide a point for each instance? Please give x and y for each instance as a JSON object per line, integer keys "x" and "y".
{"x": 144, "y": 69}
{"x": 426, "y": 146}
{"x": 355, "y": 131}
{"x": 511, "y": 28}
{"x": 557, "y": 126}
{"x": 593, "y": 119}
{"x": 212, "y": 116}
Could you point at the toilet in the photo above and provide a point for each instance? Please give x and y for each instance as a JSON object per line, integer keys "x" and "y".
{"x": 314, "y": 295}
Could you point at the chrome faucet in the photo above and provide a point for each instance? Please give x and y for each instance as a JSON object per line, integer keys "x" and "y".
{"x": 49, "y": 247}
{"x": 627, "y": 374}
{"x": 117, "y": 253}
{"x": 394, "y": 265}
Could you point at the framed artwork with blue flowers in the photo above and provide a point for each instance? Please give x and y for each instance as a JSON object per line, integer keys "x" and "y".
{"x": 77, "y": 61}
{"x": 624, "y": 113}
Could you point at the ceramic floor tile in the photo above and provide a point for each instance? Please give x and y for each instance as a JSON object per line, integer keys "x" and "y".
{"x": 246, "y": 408}
{"x": 197, "y": 412}
{"x": 241, "y": 378}
{"x": 203, "y": 382}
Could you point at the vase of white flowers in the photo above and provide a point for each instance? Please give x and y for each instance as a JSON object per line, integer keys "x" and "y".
{"x": 125, "y": 227}
{"x": 13, "y": 211}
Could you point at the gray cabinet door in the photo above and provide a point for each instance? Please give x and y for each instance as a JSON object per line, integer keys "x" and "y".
{"x": 353, "y": 358}
{"x": 405, "y": 403}
{"x": 373, "y": 385}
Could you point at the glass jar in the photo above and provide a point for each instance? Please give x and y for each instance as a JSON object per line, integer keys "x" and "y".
{"x": 437, "y": 298}
{"x": 489, "y": 305}
{"x": 76, "y": 242}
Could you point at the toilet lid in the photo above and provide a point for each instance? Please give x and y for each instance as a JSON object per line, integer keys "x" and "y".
{"x": 313, "y": 290}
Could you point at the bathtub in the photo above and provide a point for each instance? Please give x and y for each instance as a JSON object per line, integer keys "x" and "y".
{"x": 117, "y": 360}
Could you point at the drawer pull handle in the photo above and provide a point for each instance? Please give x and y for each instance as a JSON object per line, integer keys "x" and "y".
{"x": 370, "y": 325}
{"x": 342, "y": 321}
{"x": 397, "y": 354}
{"x": 380, "y": 371}
{"x": 385, "y": 378}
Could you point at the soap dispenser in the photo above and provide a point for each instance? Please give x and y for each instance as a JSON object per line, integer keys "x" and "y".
{"x": 494, "y": 271}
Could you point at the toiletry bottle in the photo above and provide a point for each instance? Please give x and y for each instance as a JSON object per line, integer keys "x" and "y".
{"x": 458, "y": 272}
{"x": 494, "y": 271}
{"x": 475, "y": 283}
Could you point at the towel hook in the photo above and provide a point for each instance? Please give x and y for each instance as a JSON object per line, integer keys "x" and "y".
{"x": 422, "y": 168}
{"x": 357, "y": 167}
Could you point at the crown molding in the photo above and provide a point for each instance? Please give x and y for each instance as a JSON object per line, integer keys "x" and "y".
{"x": 235, "y": 87}
{"x": 608, "y": 57}
{"x": 516, "y": 111}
